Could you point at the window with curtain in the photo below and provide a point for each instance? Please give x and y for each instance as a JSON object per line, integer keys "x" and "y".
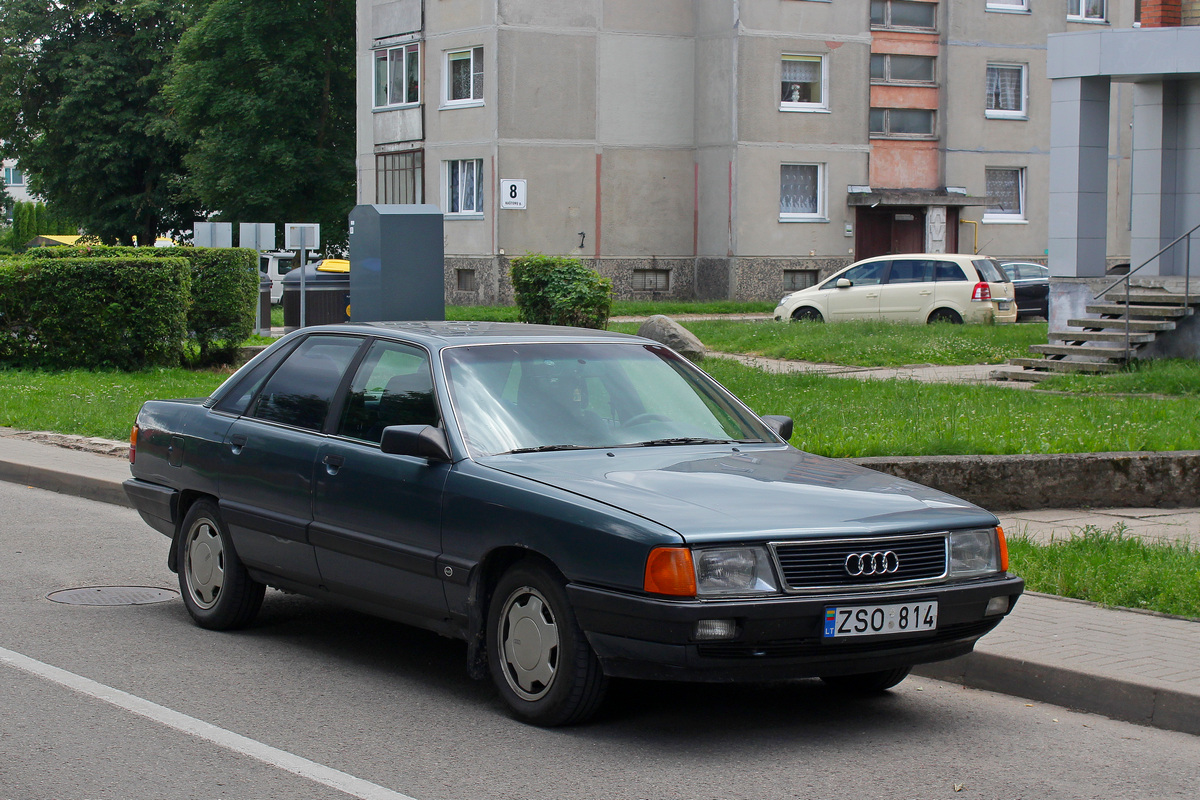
{"x": 464, "y": 77}
{"x": 1006, "y": 90}
{"x": 1089, "y": 10}
{"x": 398, "y": 76}
{"x": 464, "y": 185}
{"x": 1008, "y": 5}
{"x": 802, "y": 83}
{"x": 800, "y": 192}
{"x": 1006, "y": 194}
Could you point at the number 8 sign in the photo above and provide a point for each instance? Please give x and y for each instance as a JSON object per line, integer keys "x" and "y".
{"x": 512, "y": 193}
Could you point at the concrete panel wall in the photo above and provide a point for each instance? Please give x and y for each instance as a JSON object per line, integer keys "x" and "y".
{"x": 1188, "y": 199}
{"x": 559, "y": 14}
{"x": 674, "y": 17}
{"x": 560, "y": 199}
{"x": 465, "y": 236}
{"x": 548, "y": 84}
{"x": 401, "y": 125}
{"x": 452, "y": 15}
{"x": 715, "y": 167}
{"x": 647, "y": 198}
{"x": 716, "y": 76}
{"x": 818, "y": 20}
{"x": 646, "y": 90}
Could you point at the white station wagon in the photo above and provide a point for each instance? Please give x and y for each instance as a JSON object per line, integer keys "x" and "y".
{"x": 908, "y": 287}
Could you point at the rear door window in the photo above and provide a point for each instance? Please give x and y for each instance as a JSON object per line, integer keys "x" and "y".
{"x": 948, "y": 271}
{"x": 301, "y": 390}
{"x": 911, "y": 270}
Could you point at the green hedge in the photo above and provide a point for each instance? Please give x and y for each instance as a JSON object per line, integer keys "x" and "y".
{"x": 556, "y": 290}
{"x": 223, "y": 295}
{"x": 117, "y": 313}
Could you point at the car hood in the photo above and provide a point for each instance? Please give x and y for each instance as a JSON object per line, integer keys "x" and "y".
{"x": 713, "y": 493}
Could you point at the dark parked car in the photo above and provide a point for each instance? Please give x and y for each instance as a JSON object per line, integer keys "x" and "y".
{"x": 574, "y": 504}
{"x": 1032, "y": 284}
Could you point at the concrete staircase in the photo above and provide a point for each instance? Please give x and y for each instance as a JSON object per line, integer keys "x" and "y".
{"x": 1101, "y": 344}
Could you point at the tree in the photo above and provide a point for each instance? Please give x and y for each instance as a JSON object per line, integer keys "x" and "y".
{"x": 79, "y": 103}
{"x": 263, "y": 93}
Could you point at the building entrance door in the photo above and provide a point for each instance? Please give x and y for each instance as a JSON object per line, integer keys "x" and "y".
{"x": 892, "y": 229}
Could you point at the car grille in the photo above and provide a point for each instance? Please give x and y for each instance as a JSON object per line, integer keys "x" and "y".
{"x": 825, "y": 564}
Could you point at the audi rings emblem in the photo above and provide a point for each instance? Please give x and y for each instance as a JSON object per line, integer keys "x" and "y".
{"x": 863, "y": 564}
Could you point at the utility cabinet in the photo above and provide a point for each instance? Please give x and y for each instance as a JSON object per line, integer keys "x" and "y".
{"x": 397, "y": 263}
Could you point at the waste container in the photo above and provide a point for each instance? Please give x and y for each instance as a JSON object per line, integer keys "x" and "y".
{"x": 264, "y": 306}
{"x": 327, "y": 294}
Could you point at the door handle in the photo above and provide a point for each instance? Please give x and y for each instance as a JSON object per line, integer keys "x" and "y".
{"x": 237, "y": 442}
{"x": 333, "y": 463}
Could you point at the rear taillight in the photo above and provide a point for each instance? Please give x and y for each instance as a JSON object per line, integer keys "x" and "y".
{"x": 982, "y": 292}
{"x": 133, "y": 434}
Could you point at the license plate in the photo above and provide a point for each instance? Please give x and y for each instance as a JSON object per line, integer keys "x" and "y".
{"x": 1004, "y": 305}
{"x": 878, "y": 620}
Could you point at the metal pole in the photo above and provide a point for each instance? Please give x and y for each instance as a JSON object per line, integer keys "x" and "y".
{"x": 303, "y": 269}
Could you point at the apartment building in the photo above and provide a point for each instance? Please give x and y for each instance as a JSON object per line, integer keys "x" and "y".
{"x": 717, "y": 148}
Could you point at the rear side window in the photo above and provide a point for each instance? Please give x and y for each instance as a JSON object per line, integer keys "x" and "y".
{"x": 989, "y": 270}
{"x": 238, "y": 398}
{"x": 300, "y": 391}
{"x": 911, "y": 270}
{"x": 949, "y": 271}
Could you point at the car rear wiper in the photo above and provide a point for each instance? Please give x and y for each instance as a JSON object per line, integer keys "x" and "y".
{"x": 548, "y": 448}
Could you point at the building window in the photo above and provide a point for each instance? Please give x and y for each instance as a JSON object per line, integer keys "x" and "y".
{"x": 802, "y": 84}
{"x": 464, "y": 185}
{"x": 903, "y": 14}
{"x": 1021, "y": 6}
{"x": 896, "y": 68}
{"x": 651, "y": 280}
{"x": 1006, "y": 194}
{"x": 398, "y": 76}
{"x": 13, "y": 177}
{"x": 801, "y": 193}
{"x": 796, "y": 279}
{"x": 400, "y": 177}
{"x": 1006, "y": 90}
{"x": 466, "y": 280}
{"x": 902, "y": 123}
{"x": 464, "y": 77}
{"x": 1086, "y": 10}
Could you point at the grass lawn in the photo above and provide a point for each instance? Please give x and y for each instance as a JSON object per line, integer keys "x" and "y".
{"x": 1165, "y": 377}
{"x": 872, "y": 343}
{"x": 1112, "y": 568}
{"x": 848, "y": 417}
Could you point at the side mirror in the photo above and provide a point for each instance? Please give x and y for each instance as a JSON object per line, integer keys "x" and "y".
{"x": 422, "y": 441}
{"x": 844, "y": 283}
{"x": 780, "y": 424}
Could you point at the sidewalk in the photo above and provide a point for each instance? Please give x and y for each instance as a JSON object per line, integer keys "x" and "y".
{"x": 1129, "y": 665}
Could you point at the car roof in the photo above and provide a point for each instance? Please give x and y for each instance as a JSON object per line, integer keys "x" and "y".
{"x": 438, "y": 334}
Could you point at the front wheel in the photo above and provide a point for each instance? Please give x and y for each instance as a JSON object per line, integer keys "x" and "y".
{"x": 540, "y": 660}
{"x": 216, "y": 589}
{"x": 807, "y": 314}
{"x": 867, "y": 682}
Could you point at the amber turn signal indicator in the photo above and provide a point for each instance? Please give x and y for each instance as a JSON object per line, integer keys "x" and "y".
{"x": 1003, "y": 549}
{"x": 133, "y": 434}
{"x": 669, "y": 571}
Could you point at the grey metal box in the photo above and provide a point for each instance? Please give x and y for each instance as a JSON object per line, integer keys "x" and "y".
{"x": 397, "y": 263}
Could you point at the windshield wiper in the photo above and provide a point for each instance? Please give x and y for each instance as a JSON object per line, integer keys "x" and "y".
{"x": 688, "y": 440}
{"x": 548, "y": 448}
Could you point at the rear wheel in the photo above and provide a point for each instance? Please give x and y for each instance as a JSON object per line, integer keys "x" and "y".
{"x": 216, "y": 589}
{"x": 807, "y": 314}
{"x": 946, "y": 315}
{"x": 540, "y": 660}
{"x": 867, "y": 682}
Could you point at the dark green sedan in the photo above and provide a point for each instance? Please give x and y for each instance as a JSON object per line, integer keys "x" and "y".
{"x": 574, "y": 504}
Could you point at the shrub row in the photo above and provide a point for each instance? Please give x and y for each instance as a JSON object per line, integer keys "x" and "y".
{"x": 556, "y": 290}
{"x": 118, "y": 313}
{"x": 224, "y": 290}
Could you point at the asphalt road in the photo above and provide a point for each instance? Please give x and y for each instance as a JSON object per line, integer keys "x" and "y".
{"x": 317, "y": 702}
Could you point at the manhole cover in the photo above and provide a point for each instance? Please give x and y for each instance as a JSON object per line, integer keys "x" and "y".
{"x": 113, "y": 595}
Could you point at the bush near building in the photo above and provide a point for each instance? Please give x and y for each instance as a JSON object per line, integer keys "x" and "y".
{"x": 224, "y": 291}
{"x": 556, "y": 290}
{"x": 124, "y": 313}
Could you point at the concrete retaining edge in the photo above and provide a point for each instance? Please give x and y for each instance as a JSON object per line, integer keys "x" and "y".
{"x": 1065, "y": 480}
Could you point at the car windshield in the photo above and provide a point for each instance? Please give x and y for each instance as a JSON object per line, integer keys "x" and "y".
{"x": 561, "y": 396}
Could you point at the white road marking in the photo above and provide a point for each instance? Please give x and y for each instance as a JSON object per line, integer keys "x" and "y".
{"x": 273, "y": 756}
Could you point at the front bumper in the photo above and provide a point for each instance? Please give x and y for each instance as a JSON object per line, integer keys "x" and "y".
{"x": 780, "y": 637}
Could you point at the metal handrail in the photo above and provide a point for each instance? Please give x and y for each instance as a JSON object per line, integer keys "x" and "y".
{"x": 1187, "y": 279}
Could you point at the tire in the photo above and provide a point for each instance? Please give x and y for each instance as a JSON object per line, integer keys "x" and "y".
{"x": 807, "y": 314}
{"x": 946, "y": 315}
{"x": 867, "y": 682}
{"x": 216, "y": 589}
{"x": 539, "y": 658}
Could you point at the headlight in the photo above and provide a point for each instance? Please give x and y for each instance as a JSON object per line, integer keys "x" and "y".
{"x": 783, "y": 299}
{"x": 733, "y": 571}
{"x": 973, "y": 553}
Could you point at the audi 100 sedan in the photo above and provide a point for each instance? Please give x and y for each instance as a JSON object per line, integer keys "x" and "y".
{"x": 574, "y": 504}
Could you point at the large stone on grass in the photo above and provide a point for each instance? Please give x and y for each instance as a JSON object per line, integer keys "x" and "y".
{"x": 673, "y": 335}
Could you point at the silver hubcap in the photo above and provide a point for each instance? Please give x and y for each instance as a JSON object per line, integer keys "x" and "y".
{"x": 528, "y": 643}
{"x": 204, "y": 561}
